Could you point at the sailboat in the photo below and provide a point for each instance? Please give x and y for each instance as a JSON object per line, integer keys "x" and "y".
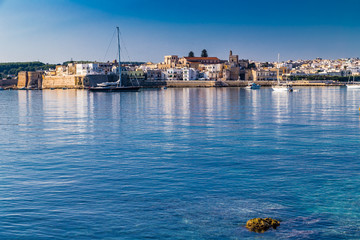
{"x": 115, "y": 86}
{"x": 352, "y": 84}
{"x": 279, "y": 87}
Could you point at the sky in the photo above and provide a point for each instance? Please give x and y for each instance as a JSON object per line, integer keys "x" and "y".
{"x": 54, "y": 31}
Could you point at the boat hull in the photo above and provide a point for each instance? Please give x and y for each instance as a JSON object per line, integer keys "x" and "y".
{"x": 353, "y": 86}
{"x": 114, "y": 89}
{"x": 280, "y": 89}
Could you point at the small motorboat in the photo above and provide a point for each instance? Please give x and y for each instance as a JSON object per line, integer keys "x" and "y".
{"x": 253, "y": 86}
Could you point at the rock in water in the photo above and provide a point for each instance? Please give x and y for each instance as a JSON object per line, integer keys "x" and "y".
{"x": 261, "y": 225}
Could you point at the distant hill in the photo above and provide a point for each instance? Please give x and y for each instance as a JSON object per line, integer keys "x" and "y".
{"x": 13, "y": 68}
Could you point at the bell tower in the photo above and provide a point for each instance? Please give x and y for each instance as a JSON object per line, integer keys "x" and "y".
{"x": 233, "y": 59}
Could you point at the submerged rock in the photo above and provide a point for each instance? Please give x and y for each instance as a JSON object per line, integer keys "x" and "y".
{"x": 261, "y": 225}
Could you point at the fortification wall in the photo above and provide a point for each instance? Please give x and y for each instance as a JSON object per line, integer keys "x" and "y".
{"x": 22, "y": 80}
{"x": 30, "y": 79}
{"x": 75, "y": 81}
{"x": 71, "y": 81}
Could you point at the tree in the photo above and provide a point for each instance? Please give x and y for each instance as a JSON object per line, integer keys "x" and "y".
{"x": 204, "y": 53}
{"x": 191, "y": 54}
{"x": 251, "y": 66}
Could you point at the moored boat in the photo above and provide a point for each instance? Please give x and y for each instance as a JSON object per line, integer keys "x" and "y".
{"x": 115, "y": 86}
{"x": 352, "y": 84}
{"x": 253, "y": 86}
{"x": 281, "y": 87}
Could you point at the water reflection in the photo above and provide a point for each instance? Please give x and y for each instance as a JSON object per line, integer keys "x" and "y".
{"x": 180, "y": 159}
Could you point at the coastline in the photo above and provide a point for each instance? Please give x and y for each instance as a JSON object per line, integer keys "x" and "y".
{"x": 206, "y": 84}
{"x": 187, "y": 84}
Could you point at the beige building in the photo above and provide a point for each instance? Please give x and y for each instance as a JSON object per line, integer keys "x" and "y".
{"x": 233, "y": 59}
{"x": 171, "y": 60}
{"x": 195, "y": 62}
{"x": 264, "y": 74}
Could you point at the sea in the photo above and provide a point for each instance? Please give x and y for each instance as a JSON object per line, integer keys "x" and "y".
{"x": 186, "y": 163}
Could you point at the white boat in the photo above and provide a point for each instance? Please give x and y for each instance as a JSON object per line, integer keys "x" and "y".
{"x": 352, "y": 84}
{"x": 280, "y": 87}
{"x": 108, "y": 84}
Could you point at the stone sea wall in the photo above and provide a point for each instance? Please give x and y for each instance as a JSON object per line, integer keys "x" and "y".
{"x": 75, "y": 81}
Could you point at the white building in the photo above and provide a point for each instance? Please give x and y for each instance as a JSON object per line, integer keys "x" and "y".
{"x": 212, "y": 71}
{"x": 88, "y": 69}
{"x": 190, "y": 74}
{"x": 174, "y": 74}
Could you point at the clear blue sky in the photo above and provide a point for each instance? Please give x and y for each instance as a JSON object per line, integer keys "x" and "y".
{"x": 57, "y": 30}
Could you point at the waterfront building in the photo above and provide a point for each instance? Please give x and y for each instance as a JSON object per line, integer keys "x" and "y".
{"x": 88, "y": 69}
{"x": 212, "y": 71}
{"x": 264, "y": 74}
{"x": 174, "y": 74}
{"x": 190, "y": 74}
{"x": 155, "y": 75}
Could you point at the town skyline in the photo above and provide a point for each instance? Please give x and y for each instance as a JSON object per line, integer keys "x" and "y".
{"x": 58, "y": 31}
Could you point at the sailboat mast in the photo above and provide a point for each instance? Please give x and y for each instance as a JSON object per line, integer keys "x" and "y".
{"x": 278, "y": 62}
{"x": 118, "y": 32}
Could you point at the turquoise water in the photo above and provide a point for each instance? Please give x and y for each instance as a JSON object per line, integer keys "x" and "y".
{"x": 179, "y": 164}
